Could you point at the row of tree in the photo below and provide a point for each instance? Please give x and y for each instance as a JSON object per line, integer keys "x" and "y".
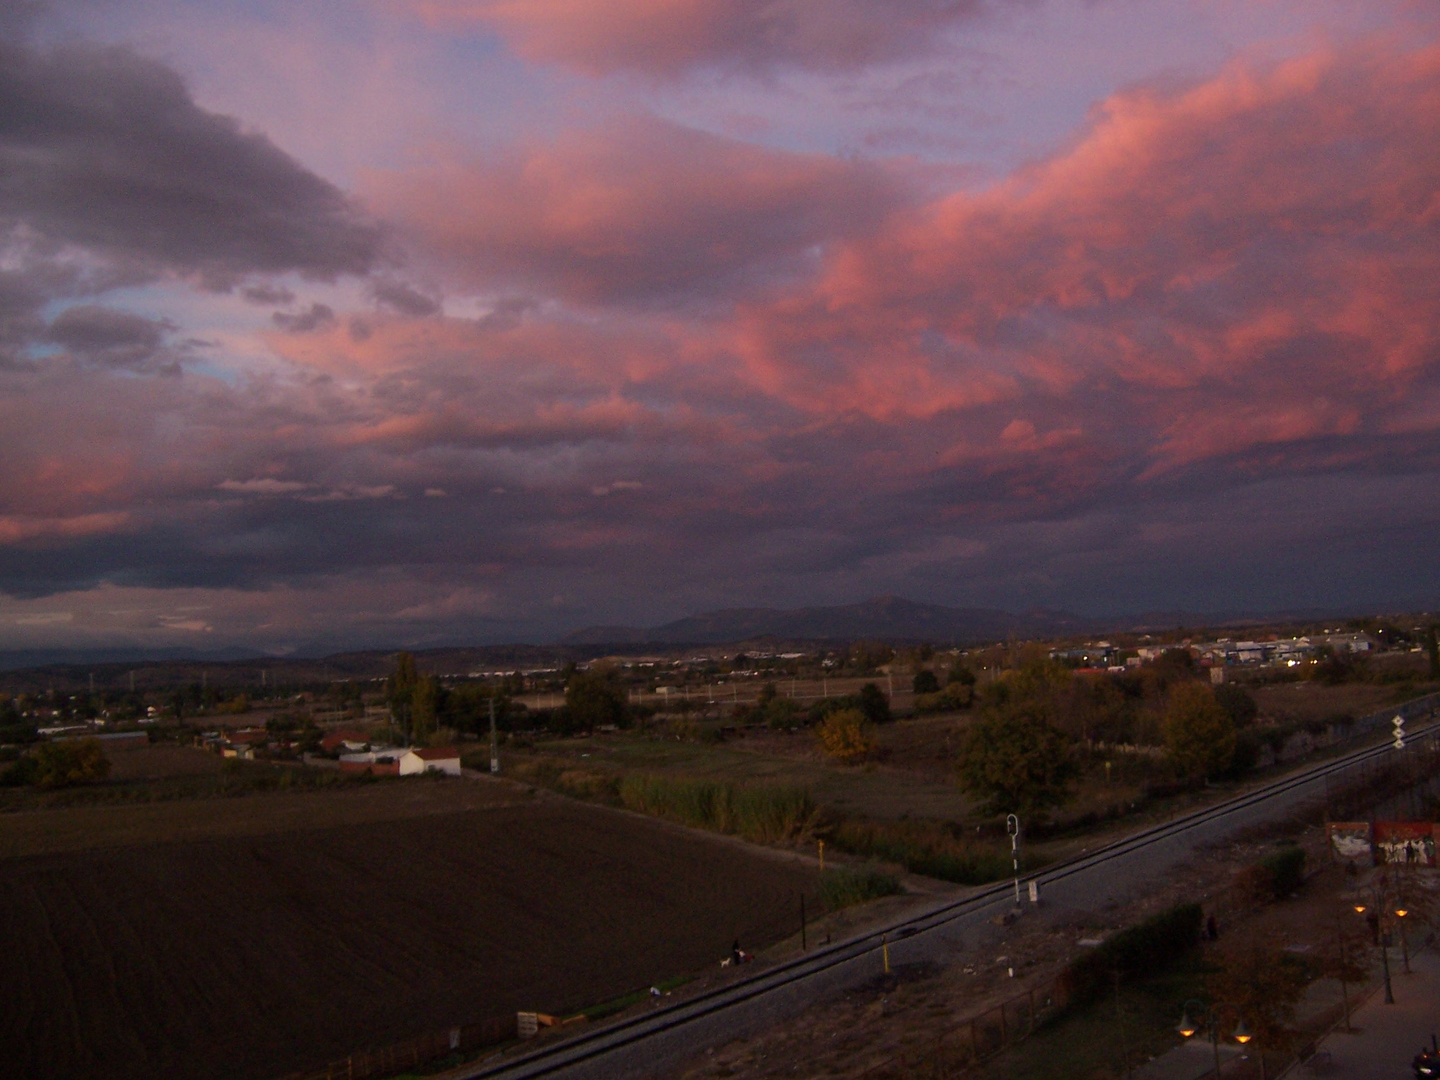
{"x": 1022, "y": 751}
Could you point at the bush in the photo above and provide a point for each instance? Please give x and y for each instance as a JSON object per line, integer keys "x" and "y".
{"x": 845, "y": 887}
{"x": 1149, "y": 948}
{"x": 846, "y": 736}
{"x": 925, "y": 682}
{"x": 1238, "y": 702}
{"x": 1274, "y": 877}
{"x": 65, "y": 764}
{"x": 764, "y": 815}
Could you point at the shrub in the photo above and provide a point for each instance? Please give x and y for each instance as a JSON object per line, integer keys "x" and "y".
{"x": 846, "y": 736}
{"x": 65, "y": 764}
{"x": 765, "y": 815}
{"x": 925, "y": 682}
{"x": 1148, "y": 948}
{"x": 1274, "y": 877}
{"x": 846, "y": 887}
{"x": 874, "y": 704}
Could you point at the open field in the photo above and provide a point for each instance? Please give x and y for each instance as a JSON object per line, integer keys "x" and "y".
{"x": 767, "y": 758}
{"x": 1288, "y": 702}
{"x": 159, "y": 761}
{"x": 249, "y": 937}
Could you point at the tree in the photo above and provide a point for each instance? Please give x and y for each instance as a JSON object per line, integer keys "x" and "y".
{"x": 63, "y": 764}
{"x": 1199, "y": 734}
{"x": 1238, "y": 702}
{"x": 594, "y": 699}
{"x": 1265, "y": 984}
{"x": 874, "y": 704}
{"x": 1432, "y": 649}
{"x": 400, "y": 690}
{"x": 1016, "y": 759}
{"x": 925, "y": 682}
{"x": 424, "y": 708}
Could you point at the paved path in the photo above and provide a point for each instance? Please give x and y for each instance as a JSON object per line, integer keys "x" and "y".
{"x": 1388, "y": 1036}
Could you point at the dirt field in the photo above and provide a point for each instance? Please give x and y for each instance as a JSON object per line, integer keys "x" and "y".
{"x": 161, "y": 760}
{"x": 1314, "y": 701}
{"x": 255, "y": 946}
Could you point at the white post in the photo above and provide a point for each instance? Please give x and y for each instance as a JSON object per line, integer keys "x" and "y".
{"x": 1012, "y": 826}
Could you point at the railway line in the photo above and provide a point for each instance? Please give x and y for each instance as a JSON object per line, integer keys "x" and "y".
{"x": 642, "y": 1045}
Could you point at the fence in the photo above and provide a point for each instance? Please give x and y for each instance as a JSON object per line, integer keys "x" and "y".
{"x": 388, "y": 1060}
{"x": 958, "y": 1048}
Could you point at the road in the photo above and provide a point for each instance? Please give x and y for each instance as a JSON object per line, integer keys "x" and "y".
{"x": 646, "y": 1045}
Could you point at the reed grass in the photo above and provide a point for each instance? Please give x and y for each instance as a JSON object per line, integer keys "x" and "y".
{"x": 849, "y": 886}
{"x": 923, "y": 847}
{"x": 769, "y": 814}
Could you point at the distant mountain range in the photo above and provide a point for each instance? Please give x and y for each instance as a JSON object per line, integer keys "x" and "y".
{"x": 884, "y": 618}
{"x": 891, "y": 618}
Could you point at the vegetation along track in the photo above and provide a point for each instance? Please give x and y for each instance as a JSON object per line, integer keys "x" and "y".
{"x": 640, "y": 1045}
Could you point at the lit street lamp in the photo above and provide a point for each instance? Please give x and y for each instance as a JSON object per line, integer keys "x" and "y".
{"x": 1211, "y": 1014}
{"x": 1382, "y": 932}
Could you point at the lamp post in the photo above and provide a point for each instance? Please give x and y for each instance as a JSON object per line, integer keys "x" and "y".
{"x": 1383, "y": 935}
{"x": 1211, "y": 1014}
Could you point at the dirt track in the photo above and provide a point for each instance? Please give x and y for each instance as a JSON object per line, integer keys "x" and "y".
{"x": 247, "y": 956}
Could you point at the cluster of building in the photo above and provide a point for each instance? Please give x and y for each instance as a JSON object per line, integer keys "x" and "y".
{"x": 1224, "y": 652}
{"x": 357, "y": 755}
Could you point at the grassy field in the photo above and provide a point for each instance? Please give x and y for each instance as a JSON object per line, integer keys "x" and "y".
{"x": 251, "y": 937}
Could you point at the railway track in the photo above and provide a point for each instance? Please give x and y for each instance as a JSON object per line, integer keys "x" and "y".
{"x": 641, "y": 1044}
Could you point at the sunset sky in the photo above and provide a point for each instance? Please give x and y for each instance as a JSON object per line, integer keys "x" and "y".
{"x": 409, "y": 322}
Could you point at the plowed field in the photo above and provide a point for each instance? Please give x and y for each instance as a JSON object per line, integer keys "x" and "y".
{"x": 248, "y": 954}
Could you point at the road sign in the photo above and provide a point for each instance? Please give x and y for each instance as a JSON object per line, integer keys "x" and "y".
{"x": 1399, "y": 723}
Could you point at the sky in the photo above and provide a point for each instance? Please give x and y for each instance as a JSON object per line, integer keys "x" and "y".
{"x": 418, "y": 322}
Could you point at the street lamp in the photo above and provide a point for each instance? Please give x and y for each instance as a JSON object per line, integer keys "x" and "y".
{"x": 1211, "y": 1015}
{"x": 1383, "y": 936}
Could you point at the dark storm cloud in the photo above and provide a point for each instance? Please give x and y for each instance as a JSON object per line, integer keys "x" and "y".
{"x": 401, "y": 298}
{"x": 106, "y": 150}
{"x": 106, "y": 335}
{"x": 316, "y": 317}
{"x": 267, "y": 294}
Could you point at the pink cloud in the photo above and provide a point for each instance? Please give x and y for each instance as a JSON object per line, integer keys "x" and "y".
{"x": 663, "y": 37}
{"x": 1269, "y": 237}
{"x": 635, "y": 210}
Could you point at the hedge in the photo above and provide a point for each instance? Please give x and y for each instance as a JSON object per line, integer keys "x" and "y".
{"x": 1286, "y": 869}
{"x": 1148, "y": 948}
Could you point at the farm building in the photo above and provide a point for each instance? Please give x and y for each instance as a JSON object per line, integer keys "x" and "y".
{"x": 375, "y": 762}
{"x": 344, "y": 739}
{"x": 445, "y": 759}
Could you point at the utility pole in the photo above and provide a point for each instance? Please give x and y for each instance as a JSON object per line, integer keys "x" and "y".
{"x": 494, "y": 749}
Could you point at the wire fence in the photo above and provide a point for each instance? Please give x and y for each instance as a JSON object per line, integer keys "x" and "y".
{"x": 956, "y": 1049}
